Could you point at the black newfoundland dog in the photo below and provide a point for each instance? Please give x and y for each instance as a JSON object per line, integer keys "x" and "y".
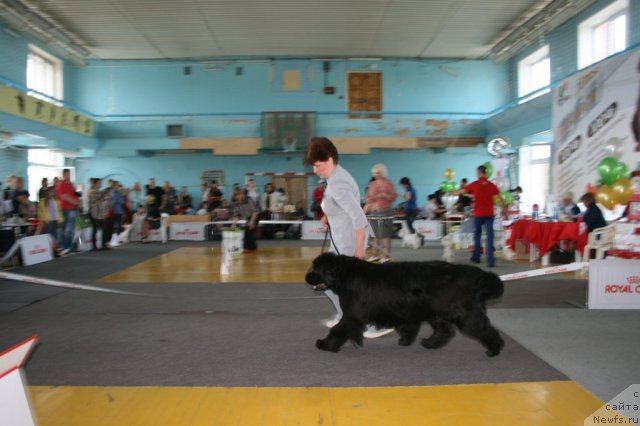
{"x": 403, "y": 295}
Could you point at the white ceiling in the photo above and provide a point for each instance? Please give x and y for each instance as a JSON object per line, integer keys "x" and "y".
{"x": 173, "y": 29}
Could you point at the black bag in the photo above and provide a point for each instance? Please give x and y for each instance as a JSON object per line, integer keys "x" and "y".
{"x": 315, "y": 206}
{"x": 560, "y": 257}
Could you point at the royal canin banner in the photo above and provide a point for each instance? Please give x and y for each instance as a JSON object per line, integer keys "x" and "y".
{"x": 614, "y": 284}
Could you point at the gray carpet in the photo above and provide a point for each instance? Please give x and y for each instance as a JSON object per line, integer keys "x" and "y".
{"x": 239, "y": 334}
{"x": 235, "y": 335}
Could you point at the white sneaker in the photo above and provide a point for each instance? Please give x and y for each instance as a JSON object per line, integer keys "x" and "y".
{"x": 330, "y": 322}
{"x": 372, "y": 258}
{"x": 384, "y": 259}
{"x": 65, "y": 251}
{"x": 373, "y": 332}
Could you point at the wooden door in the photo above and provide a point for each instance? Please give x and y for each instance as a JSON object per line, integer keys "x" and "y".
{"x": 295, "y": 187}
{"x": 365, "y": 93}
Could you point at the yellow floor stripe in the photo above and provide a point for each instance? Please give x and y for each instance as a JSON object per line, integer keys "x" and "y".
{"x": 202, "y": 264}
{"x": 538, "y": 403}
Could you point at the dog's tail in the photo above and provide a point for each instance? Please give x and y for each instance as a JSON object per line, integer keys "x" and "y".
{"x": 491, "y": 286}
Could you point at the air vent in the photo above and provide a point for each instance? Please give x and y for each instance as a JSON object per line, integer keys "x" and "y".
{"x": 175, "y": 130}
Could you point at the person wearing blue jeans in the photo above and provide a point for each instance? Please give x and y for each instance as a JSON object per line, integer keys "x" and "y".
{"x": 484, "y": 192}
{"x": 485, "y": 222}
{"x": 69, "y": 201}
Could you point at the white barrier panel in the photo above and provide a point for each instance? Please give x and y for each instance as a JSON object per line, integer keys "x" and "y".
{"x": 312, "y": 230}
{"x": 614, "y": 284}
{"x": 15, "y": 405}
{"x": 65, "y": 284}
{"x": 576, "y": 266}
{"x": 191, "y": 231}
{"x": 36, "y": 249}
{"x": 429, "y": 229}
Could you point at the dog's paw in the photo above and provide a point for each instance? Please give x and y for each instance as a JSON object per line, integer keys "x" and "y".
{"x": 322, "y": 345}
{"x": 437, "y": 343}
{"x": 491, "y": 352}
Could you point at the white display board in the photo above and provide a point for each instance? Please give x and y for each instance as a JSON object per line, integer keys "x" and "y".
{"x": 36, "y": 249}
{"x": 15, "y": 405}
{"x": 614, "y": 284}
{"x": 192, "y": 231}
{"x": 312, "y": 230}
{"x": 429, "y": 229}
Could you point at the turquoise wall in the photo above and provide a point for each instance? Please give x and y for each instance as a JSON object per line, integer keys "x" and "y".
{"x": 135, "y": 100}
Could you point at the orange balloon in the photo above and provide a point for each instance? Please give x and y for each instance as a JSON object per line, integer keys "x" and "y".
{"x": 605, "y": 196}
{"x": 622, "y": 190}
{"x": 591, "y": 188}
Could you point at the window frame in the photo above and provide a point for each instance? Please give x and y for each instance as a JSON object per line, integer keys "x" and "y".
{"x": 587, "y": 29}
{"x": 527, "y": 90}
{"x": 56, "y": 92}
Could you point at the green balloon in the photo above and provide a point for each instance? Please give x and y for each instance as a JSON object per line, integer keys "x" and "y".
{"x": 621, "y": 171}
{"x": 489, "y": 168}
{"x": 607, "y": 170}
{"x": 452, "y": 186}
{"x": 444, "y": 185}
{"x": 507, "y": 197}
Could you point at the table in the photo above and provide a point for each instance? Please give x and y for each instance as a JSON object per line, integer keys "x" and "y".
{"x": 544, "y": 235}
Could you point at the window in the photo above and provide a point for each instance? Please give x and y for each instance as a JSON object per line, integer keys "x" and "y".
{"x": 534, "y": 72}
{"x": 534, "y": 171}
{"x": 44, "y": 163}
{"x": 44, "y": 74}
{"x": 603, "y": 34}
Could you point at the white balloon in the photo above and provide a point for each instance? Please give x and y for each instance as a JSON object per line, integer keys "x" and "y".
{"x": 502, "y": 183}
{"x": 449, "y": 201}
{"x": 613, "y": 148}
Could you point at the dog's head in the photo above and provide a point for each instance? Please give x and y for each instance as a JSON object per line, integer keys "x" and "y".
{"x": 322, "y": 274}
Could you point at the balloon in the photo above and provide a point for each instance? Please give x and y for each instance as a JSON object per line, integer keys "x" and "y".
{"x": 507, "y": 197}
{"x": 591, "y": 188}
{"x": 452, "y": 186}
{"x": 444, "y": 185}
{"x": 621, "y": 170}
{"x": 622, "y": 191}
{"x": 449, "y": 174}
{"x": 489, "y": 168}
{"x": 605, "y": 197}
{"x": 607, "y": 170}
{"x": 613, "y": 148}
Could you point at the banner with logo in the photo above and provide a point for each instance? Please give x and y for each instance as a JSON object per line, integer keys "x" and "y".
{"x": 312, "y": 230}
{"x": 20, "y": 104}
{"x": 36, "y": 249}
{"x": 596, "y": 114}
{"x": 614, "y": 284}
{"x": 192, "y": 231}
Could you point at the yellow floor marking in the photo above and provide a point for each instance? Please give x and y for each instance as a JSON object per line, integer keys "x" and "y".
{"x": 202, "y": 264}
{"x": 559, "y": 403}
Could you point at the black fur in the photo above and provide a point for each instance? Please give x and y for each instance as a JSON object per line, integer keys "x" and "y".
{"x": 403, "y": 295}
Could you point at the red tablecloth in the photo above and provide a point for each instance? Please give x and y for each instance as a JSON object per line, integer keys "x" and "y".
{"x": 546, "y": 234}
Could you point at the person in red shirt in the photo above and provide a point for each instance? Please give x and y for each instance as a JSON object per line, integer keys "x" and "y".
{"x": 318, "y": 195}
{"x": 483, "y": 192}
{"x": 69, "y": 202}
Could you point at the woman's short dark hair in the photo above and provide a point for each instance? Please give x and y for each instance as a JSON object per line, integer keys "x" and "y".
{"x": 321, "y": 149}
{"x": 588, "y": 198}
{"x": 405, "y": 181}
